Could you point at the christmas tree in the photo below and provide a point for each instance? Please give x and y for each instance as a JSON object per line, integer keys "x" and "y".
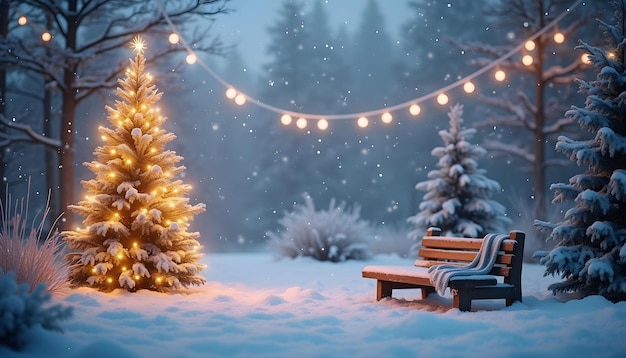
{"x": 458, "y": 193}
{"x": 590, "y": 255}
{"x": 135, "y": 213}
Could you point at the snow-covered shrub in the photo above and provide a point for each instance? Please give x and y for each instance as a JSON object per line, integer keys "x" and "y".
{"x": 23, "y": 251}
{"x": 22, "y": 309}
{"x": 336, "y": 234}
{"x": 393, "y": 239}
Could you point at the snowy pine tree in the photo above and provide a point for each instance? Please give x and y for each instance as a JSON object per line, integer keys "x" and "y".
{"x": 591, "y": 255}
{"x": 136, "y": 215}
{"x": 458, "y": 193}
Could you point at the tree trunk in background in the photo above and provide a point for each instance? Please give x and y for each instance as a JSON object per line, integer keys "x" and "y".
{"x": 539, "y": 169}
{"x": 66, "y": 153}
{"x": 4, "y": 31}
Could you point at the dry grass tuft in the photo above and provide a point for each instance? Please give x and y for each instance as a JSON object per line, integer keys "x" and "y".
{"x": 23, "y": 251}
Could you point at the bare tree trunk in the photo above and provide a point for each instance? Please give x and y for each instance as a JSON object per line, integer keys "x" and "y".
{"x": 66, "y": 153}
{"x": 539, "y": 170}
{"x": 4, "y": 32}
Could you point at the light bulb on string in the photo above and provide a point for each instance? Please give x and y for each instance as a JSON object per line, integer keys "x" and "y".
{"x": 231, "y": 93}
{"x": 22, "y": 20}
{"x": 46, "y": 36}
{"x": 529, "y": 45}
{"x": 301, "y": 123}
{"x": 469, "y": 87}
{"x": 173, "y": 38}
{"x": 322, "y": 124}
{"x": 362, "y": 122}
{"x": 559, "y": 37}
{"x": 285, "y": 119}
{"x": 527, "y": 60}
{"x": 585, "y": 59}
{"x": 240, "y": 99}
{"x": 386, "y": 118}
{"x": 442, "y": 99}
{"x": 191, "y": 59}
{"x": 500, "y": 75}
{"x": 415, "y": 109}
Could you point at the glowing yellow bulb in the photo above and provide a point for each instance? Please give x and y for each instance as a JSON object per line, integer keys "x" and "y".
{"x": 191, "y": 59}
{"x": 93, "y": 270}
{"x": 129, "y": 162}
{"x": 173, "y": 38}
{"x": 135, "y": 244}
{"x": 529, "y": 45}
{"x": 143, "y": 106}
{"x": 610, "y": 54}
{"x": 119, "y": 256}
{"x": 442, "y": 99}
{"x": 109, "y": 280}
{"x": 362, "y": 122}
{"x": 132, "y": 110}
{"x": 559, "y": 37}
{"x": 231, "y": 93}
{"x": 386, "y": 118}
{"x": 22, "y": 20}
{"x": 469, "y": 87}
{"x": 46, "y": 36}
{"x": 123, "y": 268}
{"x": 103, "y": 137}
{"x": 171, "y": 205}
{"x": 285, "y": 119}
{"x": 415, "y": 109}
{"x": 527, "y": 60}
{"x": 322, "y": 124}
{"x": 159, "y": 280}
{"x": 301, "y": 123}
{"x": 113, "y": 151}
{"x": 240, "y": 99}
{"x": 136, "y": 277}
{"x": 153, "y": 150}
{"x": 112, "y": 175}
{"x": 117, "y": 215}
{"x": 585, "y": 59}
{"x": 500, "y": 75}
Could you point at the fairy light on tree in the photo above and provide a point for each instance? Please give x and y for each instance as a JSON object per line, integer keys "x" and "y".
{"x": 136, "y": 216}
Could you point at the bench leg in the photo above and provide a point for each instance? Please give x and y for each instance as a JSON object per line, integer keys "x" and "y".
{"x": 462, "y": 302}
{"x": 383, "y": 289}
{"x": 427, "y": 291}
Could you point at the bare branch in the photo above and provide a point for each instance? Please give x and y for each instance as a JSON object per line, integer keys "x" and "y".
{"x": 30, "y": 135}
{"x": 511, "y": 149}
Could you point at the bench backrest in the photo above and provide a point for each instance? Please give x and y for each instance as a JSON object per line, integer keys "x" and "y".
{"x": 436, "y": 250}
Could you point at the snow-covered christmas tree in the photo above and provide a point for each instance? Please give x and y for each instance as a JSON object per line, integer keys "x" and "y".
{"x": 458, "y": 193}
{"x": 590, "y": 255}
{"x": 135, "y": 212}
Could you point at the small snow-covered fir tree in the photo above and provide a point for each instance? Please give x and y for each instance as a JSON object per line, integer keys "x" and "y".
{"x": 136, "y": 215}
{"x": 458, "y": 193}
{"x": 590, "y": 255}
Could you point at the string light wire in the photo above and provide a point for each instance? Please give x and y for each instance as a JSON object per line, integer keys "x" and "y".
{"x": 380, "y": 111}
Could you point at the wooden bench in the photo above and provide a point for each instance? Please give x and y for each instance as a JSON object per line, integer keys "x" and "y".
{"x": 503, "y": 282}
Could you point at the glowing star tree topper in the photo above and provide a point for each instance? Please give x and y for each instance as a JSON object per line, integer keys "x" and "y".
{"x": 136, "y": 215}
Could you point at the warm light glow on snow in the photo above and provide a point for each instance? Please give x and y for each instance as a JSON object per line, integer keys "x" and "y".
{"x": 469, "y": 87}
{"x": 415, "y": 109}
{"x": 527, "y": 60}
{"x": 362, "y": 122}
{"x": 500, "y": 75}
{"x": 285, "y": 119}
{"x": 529, "y": 45}
{"x": 301, "y": 123}
{"x": 386, "y": 118}
{"x": 559, "y": 37}
{"x": 22, "y": 20}
{"x": 322, "y": 124}
{"x": 442, "y": 99}
{"x": 173, "y": 38}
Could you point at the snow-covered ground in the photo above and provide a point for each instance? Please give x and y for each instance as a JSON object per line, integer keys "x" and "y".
{"x": 255, "y": 306}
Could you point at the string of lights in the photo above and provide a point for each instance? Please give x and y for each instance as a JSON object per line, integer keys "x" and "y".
{"x": 413, "y": 105}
